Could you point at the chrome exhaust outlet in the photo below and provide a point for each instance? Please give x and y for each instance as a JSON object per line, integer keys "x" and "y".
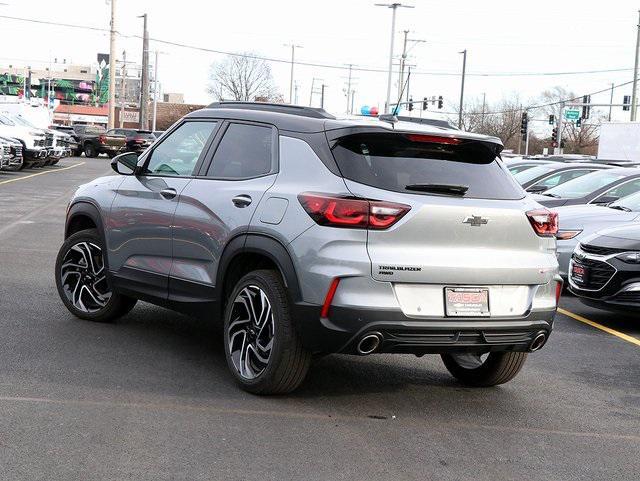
{"x": 538, "y": 342}
{"x": 369, "y": 343}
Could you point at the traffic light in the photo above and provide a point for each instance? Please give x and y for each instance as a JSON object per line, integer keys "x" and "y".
{"x": 410, "y": 108}
{"x": 552, "y": 119}
{"x": 424, "y": 103}
{"x": 524, "y": 124}
{"x": 554, "y": 135}
{"x": 440, "y": 102}
{"x": 627, "y": 102}
{"x": 579, "y": 122}
{"x": 586, "y": 99}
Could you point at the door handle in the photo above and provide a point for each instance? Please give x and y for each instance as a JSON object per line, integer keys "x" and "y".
{"x": 241, "y": 200}
{"x": 168, "y": 193}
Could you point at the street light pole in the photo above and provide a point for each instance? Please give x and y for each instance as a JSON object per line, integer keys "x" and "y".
{"x": 155, "y": 92}
{"x": 393, "y": 7}
{"x": 635, "y": 75}
{"x": 112, "y": 66}
{"x": 144, "y": 95}
{"x": 464, "y": 71}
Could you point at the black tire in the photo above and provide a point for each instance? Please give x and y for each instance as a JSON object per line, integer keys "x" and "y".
{"x": 288, "y": 362}
{"x": 116, "y": 306}
{"x": 90, "y": 150}
{"x": 497, "y": 368}
{"x": 77, "y": 152}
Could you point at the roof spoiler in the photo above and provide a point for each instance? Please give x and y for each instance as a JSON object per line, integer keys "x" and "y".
{"x": 302, "y": 111}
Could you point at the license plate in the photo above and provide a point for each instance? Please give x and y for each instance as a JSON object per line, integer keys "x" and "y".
{"x": 579, "y": 274}
{"x": 466, "y": 301}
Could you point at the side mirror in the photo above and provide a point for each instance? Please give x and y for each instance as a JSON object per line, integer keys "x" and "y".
{"x": 125, "y": 164}
{"x": 607, "y": 199}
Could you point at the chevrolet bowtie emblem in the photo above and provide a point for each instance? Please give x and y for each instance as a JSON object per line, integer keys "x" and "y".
{"x": 475, "y": 220}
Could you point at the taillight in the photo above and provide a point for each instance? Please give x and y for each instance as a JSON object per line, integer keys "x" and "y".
{"x": 433, "y": 139}
{"x": 544, "y": 222}
{"x": 102, "y": 139}
{"x": 138, "y": 140}
{"x": 333, "y": 211}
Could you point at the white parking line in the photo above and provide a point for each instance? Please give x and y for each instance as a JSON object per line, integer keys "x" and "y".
{"x": 40, "y": 173}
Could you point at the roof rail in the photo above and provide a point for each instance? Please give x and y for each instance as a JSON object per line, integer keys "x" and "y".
{"x": 312, "y": 112}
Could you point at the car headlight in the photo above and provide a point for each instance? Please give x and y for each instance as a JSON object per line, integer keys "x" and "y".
{"x": 567, "y": 234}
{"x": 629, "y": 257}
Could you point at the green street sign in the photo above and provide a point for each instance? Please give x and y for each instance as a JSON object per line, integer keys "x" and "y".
{"x": 572, "y": 114}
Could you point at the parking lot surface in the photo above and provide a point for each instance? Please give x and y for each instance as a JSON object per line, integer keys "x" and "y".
{"x": 150, "y": 398}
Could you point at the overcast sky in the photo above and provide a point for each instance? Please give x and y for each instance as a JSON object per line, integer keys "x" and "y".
{"x": 502, "y": 37}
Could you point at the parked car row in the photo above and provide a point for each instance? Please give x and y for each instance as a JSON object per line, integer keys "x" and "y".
{"x": 95, "y": 140}
{"x": 22, "y": 144}
{"x": 598, "y": 240}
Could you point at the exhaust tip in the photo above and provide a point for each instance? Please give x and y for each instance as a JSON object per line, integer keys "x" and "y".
{"x": 538, "y": 342}
{"x": 369, "y": 343}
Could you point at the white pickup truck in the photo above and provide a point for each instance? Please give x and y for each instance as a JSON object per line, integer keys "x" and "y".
{"x": 33, "y": 140}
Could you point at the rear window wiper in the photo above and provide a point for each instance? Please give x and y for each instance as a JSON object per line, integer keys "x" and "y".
{"x": 448, "y": 189}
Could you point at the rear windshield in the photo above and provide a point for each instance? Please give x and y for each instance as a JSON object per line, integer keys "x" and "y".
{"x": 395, "y": 161}
{"x": 577, "y": 188}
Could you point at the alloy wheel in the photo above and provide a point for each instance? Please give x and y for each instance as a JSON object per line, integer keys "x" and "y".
{"x": 83, "y": 277}
{"x": 251, "y": 332}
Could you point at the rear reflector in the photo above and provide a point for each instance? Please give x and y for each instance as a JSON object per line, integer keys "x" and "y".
{"x": 544, "y": 222}
{"x": 333, "y": 287}
{"x": 334, "y": 211}
{"x": 558, "y": 291}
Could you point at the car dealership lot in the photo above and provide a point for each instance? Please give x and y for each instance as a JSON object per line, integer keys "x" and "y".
{"x": 150, "y": 397}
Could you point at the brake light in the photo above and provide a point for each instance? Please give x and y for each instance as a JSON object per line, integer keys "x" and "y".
{"x": 102, "y": 139}
{"x": 544, "y": 222}
{"x": 138, "y": 140}
{"x": 433, "y": 139}
{"x": 334, "y": 211}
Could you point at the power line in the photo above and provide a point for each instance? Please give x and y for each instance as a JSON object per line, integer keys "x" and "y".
{"x": 321, "y": 65}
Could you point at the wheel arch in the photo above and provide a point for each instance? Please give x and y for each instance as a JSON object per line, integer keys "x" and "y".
{"x": 83, "y": 215}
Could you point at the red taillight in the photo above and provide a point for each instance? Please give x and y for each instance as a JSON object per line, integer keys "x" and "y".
{"x": 138, "y": 140}
{"x": 558, "y": 291}
{"x": 333, "y": 287}
{"x": 544, "y": 222}
{"x": 334, "y": 211}
{"x": 102, "y": 139}
{"x": 433, "y": 139}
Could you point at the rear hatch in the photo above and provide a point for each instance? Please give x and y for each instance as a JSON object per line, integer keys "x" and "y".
{"x": 467, "y": 223}
{"x": 114, "y": 141}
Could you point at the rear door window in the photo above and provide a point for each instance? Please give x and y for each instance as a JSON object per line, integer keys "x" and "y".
{"x": 392, "y": 161}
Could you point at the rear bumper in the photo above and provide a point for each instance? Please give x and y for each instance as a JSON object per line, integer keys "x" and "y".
{"x": 345, "y": 327}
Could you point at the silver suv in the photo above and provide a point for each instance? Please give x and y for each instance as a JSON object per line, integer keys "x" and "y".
{"x": 305, "y": 234}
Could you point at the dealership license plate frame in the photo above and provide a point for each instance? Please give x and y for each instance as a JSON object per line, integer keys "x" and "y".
{"x": 581, "y": 278}
{"x": 468, "y": 308}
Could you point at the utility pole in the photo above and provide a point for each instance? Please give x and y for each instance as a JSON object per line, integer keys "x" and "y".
{"x": 393, "y": 7}
{"x": 484, "y": 103}
{"x": 322, "y": 96}
{"x": 559, "y": 139}
{"x": 144, "y": 95}
{"x": 526, "y": 144}
{"x": 349, "y": 88}
{"x": 635, "y": 75}
{"x": 123, "y": 88}
{"x": 464, "y": 72}
{"x": 402, "y": 60}
{"x": 611, "y": 100}
{"x": 155, "y": 92}
{"x": 112, "y": 67}
{"x": 293, "y": 60}
{"x": 408, "y": 82}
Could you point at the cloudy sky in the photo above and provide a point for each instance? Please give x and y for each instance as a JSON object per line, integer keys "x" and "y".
{"x": 505, "y": 39}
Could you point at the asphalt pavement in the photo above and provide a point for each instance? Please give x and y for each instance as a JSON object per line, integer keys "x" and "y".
{"x": 149, "y": 398}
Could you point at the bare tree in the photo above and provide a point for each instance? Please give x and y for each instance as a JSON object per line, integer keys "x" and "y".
{"x": 501, "y": 119}
{"x": 244, "y": 78}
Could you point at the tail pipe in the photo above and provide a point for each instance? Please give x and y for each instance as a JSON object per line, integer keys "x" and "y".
{"x": 538, "y": 341}
{"x": 369, "y": 343}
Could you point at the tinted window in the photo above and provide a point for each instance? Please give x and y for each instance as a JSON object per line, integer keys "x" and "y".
{"x": 178, "y": 153}
{"x": 530, "y": 174}
{"x": 245, "y": 151}
{"x": 562, "y": 177}
{"x": 519, "y": 168}
{"x": 584, "y": 185}
{"x": 394, "y": 161}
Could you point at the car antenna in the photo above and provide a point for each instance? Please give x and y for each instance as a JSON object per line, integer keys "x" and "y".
{"x": 392, "y": 117}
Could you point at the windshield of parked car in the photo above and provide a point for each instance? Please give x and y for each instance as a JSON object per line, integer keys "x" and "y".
{"x": 533, "y": 173}
{"x": 582, "y": 186}
{"x": 631, "y": 202}
{"x": 421, "y": 163}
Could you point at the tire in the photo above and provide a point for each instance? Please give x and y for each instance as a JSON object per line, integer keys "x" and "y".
{"x": 497, "y": 368}
{"x": 80, "y": 257}
{"x": 90, "y": 150}
{"x": 287, "y": 362}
